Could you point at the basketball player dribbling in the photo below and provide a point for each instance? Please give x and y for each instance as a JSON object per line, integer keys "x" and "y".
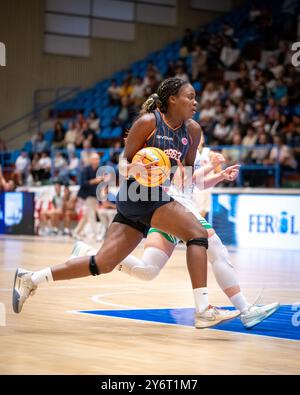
{"x": 159, "y": 246}
{"x": 167, "y": 113}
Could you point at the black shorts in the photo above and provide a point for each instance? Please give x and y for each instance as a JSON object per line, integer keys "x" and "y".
{"x": 140, "y": 206}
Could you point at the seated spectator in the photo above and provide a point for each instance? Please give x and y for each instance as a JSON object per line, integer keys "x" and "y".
{"x": 233, "y": 155}
{"x": 80, "y": 119}
{"x": 70, "y": 136}
{"x": 229, "y": 55}
{"x": 86, "y": 153}
{"x": 89, "y": 134}
{"x": 125, "y": 115}
{"x": 59, "y": 136}
{"x": 283, "y": 154}
{"x": 199, "y": 63}
{"x": 210, "y": 93}
{"x": 94, "y": 121}
{"x": 150, "y": 83}
{"x": 68, "y": 210}
{"x": 107, "y": 210}
{"x": 49, "y": 218}
{"x": 187, "y": 43}
{"x": 248, "y": 141}
{"x": 271, "y": 109}
{"x": 235, "y": 92}
{"x": 207, "y": 113}
{"x": 221, "y": 131}
{"x": 39, "y": 143}
{"x": 60, "y": 164}
{"x": 41, "y": 170}
{"x": 113, "y": 92}
{"x": 22, "y": 168}
{"x": 259, "y": 155}
{"x": 127, "y": 88}
{"x": 137, "y": 96}
{"x": 171, "y": 70}
{"x": 180, "y": 73}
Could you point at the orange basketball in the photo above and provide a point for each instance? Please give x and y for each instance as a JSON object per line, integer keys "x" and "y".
{"x": 156, "y": 174}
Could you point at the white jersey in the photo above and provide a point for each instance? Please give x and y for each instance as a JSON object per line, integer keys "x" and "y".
{"x": 184, "y": 195}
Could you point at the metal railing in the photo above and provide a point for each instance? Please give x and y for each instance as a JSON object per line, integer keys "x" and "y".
{"x": 36, "y": 113}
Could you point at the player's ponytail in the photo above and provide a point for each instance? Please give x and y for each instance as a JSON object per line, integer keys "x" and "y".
{"x": 152, "y": 103}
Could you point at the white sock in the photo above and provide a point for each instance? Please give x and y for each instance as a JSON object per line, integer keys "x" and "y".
{"x": 239, "y": 301}
{"x": 44, "y": 275}
{"x": 201, "y": 299}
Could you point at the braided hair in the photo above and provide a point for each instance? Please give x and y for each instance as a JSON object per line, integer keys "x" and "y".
{"x": 169, "y": 87}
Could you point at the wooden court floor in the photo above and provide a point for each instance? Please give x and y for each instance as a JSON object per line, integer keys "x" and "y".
{"x": 50, "y": 336}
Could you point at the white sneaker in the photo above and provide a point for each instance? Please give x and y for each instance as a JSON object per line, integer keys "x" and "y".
{"x": 23, "y": 288}
{"x": 213, "y": 316}
{"x": 256, "y": 314}
{"x": 81, "y": 249}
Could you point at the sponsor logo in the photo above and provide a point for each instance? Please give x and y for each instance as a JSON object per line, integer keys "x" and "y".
{"x": 184, "y": 141}
{"x": 271, "y": 224}
{"x": 159, "y": 137}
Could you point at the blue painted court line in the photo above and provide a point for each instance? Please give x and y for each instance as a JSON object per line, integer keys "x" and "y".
{"x": 279, "y": 325}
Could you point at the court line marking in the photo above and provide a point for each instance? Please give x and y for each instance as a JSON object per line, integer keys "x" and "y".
{"x": 181, "y": 325}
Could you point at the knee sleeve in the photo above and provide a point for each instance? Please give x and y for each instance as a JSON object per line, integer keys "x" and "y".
{"x": 148, "y": 267}
{"x": 218, "y": 256}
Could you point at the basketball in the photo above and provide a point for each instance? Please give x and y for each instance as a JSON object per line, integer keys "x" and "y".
{"x": 158, "y": 173}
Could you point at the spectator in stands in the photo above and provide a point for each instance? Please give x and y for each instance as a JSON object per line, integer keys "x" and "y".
{"x": 107, "y": 210}
{"x": 80, "y": 119}
{"x": 248, "y": 141}
{"x": 171, "y": 70}
{"x": 221, "y": 131}
{"x": 59, "y": 136}
{"x": 89, "y": 134}
{"x": 150, "y": 83}
{"x": 283, "y": 154}
{"x": 199, "y": 63}
{"x": 94, "y": 121}
{"x": 261, "y": 153}
{"x": 6, "y": 186}
{"x": 70, "y": 136}
{"x": 22, "y": 168}
{"x": 125, "y": 115}
{"x": 271, "y": 109}
{"x": 60, "y": 164}
{"x": 43, "y": 171}
{"x": 180, "y": 73}
{"x": 233, "y": 155}
{"x": 210, "y": 93}
{"x": 138, "y": 96}
{"x": 49, "y": 218}
{"x": 113, "y": 92}
{"x": 127, "y": 87}
{"x": 86, "y": 152}
{"x": 68, "y": 210}
{"x": 235, "y": 92}
{"x": 207, "y": 113}
{"x": 87, "y": 192}
{"x": 39, "y": 144}
{"x": 187, "y": 43}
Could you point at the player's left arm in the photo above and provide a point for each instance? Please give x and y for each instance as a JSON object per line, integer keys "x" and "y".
{"x": 229, "y": 174}
{"x": 195, "y": 131}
